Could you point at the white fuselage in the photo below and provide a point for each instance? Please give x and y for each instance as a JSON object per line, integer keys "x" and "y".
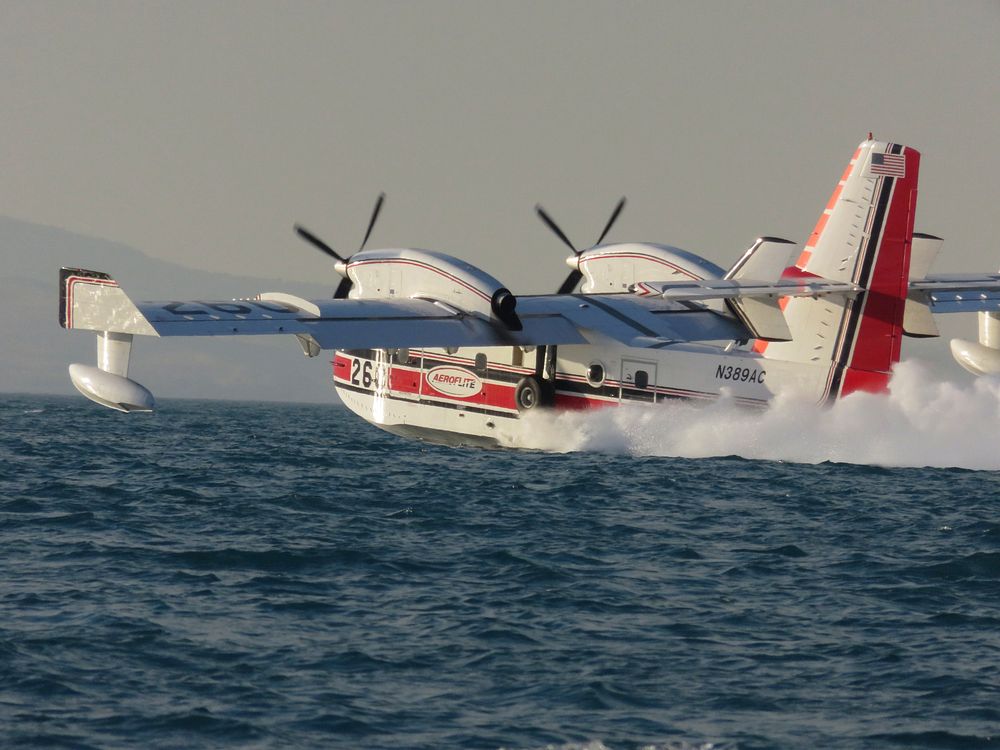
{"x": 477, "y": 395}
{"x": 471, "y": 396}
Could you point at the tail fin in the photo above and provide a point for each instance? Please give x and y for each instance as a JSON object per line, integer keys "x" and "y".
{"x": 863, "y": 236}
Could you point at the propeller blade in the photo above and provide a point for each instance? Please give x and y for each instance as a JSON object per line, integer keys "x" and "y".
{"x": 315, "y": 241}
{"x": 611, "y": 221}
{"x": 571, "y": 281}
{"x": 343, "y": 288}
{"x": 554, "y": 227}
{"x": 371, "y": 224}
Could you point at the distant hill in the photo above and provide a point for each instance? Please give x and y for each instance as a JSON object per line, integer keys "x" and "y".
{"x": 35, "y": 352}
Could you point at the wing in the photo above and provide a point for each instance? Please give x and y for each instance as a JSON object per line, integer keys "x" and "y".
{"x": 94, "y": 301}
{"x": 353, "y": 323}
{"x": 634, "y": 320}
{"x": 950, "y": 293}
{"x": 732, "y": 289}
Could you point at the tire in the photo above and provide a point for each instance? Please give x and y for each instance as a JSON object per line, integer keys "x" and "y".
{"x": 528, "y": 394}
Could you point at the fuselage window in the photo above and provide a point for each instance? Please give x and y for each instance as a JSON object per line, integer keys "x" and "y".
{"x": 641, "y": 379}
{"x": 402, "y": 356}
{"x": 480, "y": 364}
{"x": 595, "y": 374}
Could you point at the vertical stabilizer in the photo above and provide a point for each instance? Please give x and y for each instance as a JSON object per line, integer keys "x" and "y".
{"x": 864, "y": 237}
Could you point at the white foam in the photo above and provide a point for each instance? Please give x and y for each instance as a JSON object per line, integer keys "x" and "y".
{"x": 921, "y": 422}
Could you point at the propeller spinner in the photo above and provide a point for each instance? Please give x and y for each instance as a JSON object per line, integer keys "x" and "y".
{"x": 345, "y": 284}
{"x": 576, "y": 274}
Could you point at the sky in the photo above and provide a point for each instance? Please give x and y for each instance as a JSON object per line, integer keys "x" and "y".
{"x": 200, "y": 132}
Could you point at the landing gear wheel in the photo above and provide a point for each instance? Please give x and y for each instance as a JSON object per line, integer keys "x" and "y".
{"x": 528, "y": 394}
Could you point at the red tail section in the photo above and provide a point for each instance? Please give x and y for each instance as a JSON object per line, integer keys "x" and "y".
{"x": 877, "y": 318}
{"x": 863, "y": 236}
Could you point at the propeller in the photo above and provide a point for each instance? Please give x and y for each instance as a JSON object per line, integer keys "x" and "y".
{"x": 345, "y": 284}
{"x": 576, "y": 274}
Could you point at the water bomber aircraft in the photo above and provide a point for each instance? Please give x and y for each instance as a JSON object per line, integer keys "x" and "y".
{"x": 428, "y": 346}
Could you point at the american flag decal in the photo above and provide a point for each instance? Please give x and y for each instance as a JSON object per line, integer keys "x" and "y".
{"x": 888, "y": 165}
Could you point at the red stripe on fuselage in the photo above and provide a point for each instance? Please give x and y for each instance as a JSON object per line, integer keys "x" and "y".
{"x": 407, "y": 380}
{"x": 412, "y": 381}
{"x": 342, "y": 368}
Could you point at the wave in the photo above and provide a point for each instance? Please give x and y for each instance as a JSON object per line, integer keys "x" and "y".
{"x": 920, "y": 422}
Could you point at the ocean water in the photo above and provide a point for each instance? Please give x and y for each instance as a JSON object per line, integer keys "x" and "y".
{"x": 243, "y": 575}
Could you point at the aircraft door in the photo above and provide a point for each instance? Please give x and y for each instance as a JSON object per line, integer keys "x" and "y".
{"x": 638, "y": 380}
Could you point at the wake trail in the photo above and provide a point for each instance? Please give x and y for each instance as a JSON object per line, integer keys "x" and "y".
{"x": 920, "y": 422}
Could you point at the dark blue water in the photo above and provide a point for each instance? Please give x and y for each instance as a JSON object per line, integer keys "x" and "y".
{"x": 238, "y": 575}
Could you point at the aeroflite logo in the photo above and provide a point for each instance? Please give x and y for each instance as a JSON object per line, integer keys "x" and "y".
{"x": 453, "y": 381}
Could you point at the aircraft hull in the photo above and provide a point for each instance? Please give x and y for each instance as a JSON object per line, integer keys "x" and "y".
{"x": 454, "y": 398}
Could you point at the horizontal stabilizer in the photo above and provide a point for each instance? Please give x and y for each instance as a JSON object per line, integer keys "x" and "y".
{"x": 923, "y": 250}
{"x": 918, "y": 321}
{"x": 764, "y": 259}
{"x": 754, "y": 303}
{"x": 762, "y": 316}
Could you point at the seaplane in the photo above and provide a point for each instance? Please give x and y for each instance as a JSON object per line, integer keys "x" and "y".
{"x": 428, "y": 346}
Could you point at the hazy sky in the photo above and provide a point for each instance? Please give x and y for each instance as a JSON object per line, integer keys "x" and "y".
{"x": 200, "y": 131}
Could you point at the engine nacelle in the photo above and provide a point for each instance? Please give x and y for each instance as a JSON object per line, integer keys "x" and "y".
{"x": 107, "y": 389}
{"x": 411, "y": 273}
{"x": 616, "y": 268}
